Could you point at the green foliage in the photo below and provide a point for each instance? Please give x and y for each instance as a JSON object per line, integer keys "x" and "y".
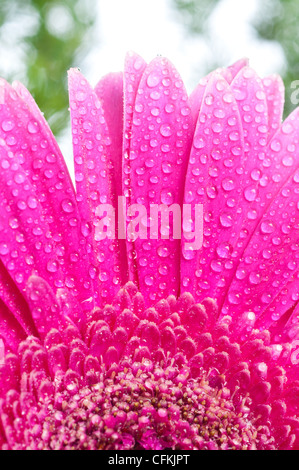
{"x": 51, "y": 36}
{"x": 277, "y": 20}
{"x": 196, "y": 13}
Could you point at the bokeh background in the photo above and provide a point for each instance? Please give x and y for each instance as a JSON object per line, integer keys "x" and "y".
{"x": 41, "y": 40}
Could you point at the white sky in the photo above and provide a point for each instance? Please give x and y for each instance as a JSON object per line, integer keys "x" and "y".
{"x": 151, "y": 27}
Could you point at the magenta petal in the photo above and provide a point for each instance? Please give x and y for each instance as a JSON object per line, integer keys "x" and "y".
{"x": 283, "y": 322}
{"x": 10, "y": 329}
{"x": 45, "y": 307}
{"x": 275, "y": 92}
{"x": 42, "y": 192}
{"x": 249, "y": 94}
{"x": 111, "y": 95}
{"x": 228, "y": 74}
{"x": 158, "y": 155}
{"x": 271, "y": 257}
{"x": 94, "y": 174}
{"x": 213, "y": 177}
{"x": 134, "y": 69}
{"x": 292, "y": 327}
{"x": 273, "y": 242}
{"x": 196, "y": 97}
{"x": 15, "y": 302}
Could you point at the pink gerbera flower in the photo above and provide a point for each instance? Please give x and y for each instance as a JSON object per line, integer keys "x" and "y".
{"x": 114, "y": 343}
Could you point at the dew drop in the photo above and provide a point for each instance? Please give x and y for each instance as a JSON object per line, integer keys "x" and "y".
{"x": 167, "y": 167}
{"x": 165, "y": 130}
{"x": 234, "y": 298}
{"x": 19, "y": 178}
{"x": 188, "y": 254}
{"x": 254, "y": 278}
{"x": 163, "y": 269}
{"x": 198, "y": 142}
{"x": 288, "y": 161}
{"x": 153, "y": 80}
{"x": 67, "y": 205}
{"x": 267, "y": 227}
{"x": 52, "y": 266}
{"x": 250, "y": 193}
{"x": 33, "y": 127}
{"x": 163, "y": 251}
{"x": 223, "y": 250}
{"x": 275, "y": 145}
{"x": 69, "y": 282}
{"x": 226, "y": 220}
{"x": 149, "y": 280}
{"x": 241, "y": 274}
{"x": 7, "y": 125}
{"x": 167, "y": 197}
{"x": 4, "y": 248}
{"x": 228, "y": 184}
{"x": 13, "y": 222}
{"x": 81, "y": 95}
{"x": 216, "y": 266}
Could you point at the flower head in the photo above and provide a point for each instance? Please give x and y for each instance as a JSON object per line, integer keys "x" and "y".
{"x": 116, "y": 334}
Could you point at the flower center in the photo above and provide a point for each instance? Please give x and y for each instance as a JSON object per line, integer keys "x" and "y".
{"x": 146, "y": 406}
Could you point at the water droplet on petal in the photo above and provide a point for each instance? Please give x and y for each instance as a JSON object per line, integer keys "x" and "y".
{"x": 52, "y": 266}
{"x": 267, "y": 227}
{"x": 226, "y": 220}
{"x": 223, "y": 250}
{"x": 149, "y": 280}
{"x": 254, "y": 278}
{"x": 165, "y": 130}
{"x": 275, "y": 145}
{"x": 7, "y": 125}
{"x": 250, "y": 193}
{"x": 152, "y": 80}
{"x": 33, "y": 127}
{"x": 163, "y": 251}
{"x": 4, "y": 248}
{"x": 167, "y": 197}
{"x": 228, "y": 184}
{"x": 67, "y": 205}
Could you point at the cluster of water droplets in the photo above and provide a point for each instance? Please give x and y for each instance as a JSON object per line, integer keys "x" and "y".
{"x": 39, "y": 226}
{"x": 156, "y": 142}
{"x": 242, "y": 168}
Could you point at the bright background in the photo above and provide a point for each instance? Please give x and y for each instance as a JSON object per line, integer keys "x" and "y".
{"x": 41, "y": 40}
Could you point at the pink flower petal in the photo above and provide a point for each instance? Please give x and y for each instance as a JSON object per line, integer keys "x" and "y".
{"x": 94, "y": 173}
{"x": 45, "y": 307}
{"x": 277, "y": 318}
{"x": 228, "y": 74}
{"x": 111, "y": 94}
{"x": 134, "y": 69}
{"x": 273, "y": 243}
{"x": 271, "y": 257}
{"x": 274, "y": 89}
{"x": 159, "y": 147}
{"x": 11, "y": 331}
{"x": 15, "y": 302}
{"x": 213, "y": 177}
{"x": 42, "y": 192}
{"x": 250, "y": 97}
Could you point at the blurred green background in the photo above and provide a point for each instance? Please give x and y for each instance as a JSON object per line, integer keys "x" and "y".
{"x": 41, "y": 40}
{"x": 276, "y": 21}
